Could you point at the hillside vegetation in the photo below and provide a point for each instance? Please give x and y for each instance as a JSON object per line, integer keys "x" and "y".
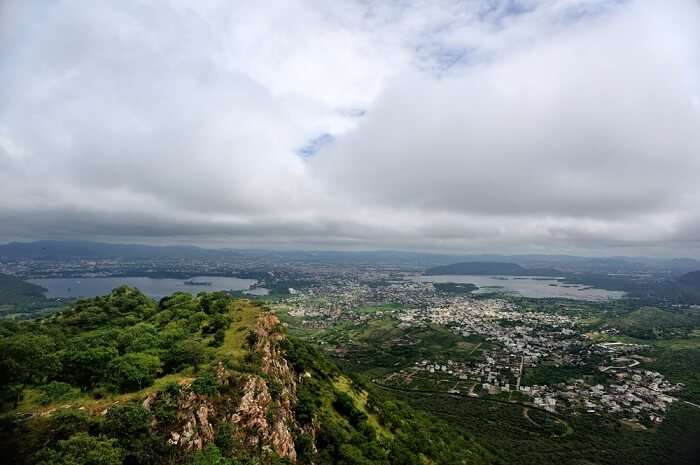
{"x": 15, "y": 291}
{"x": 655, "y": 323}
{"x": 22, "y": 300}
{"x": 204, "y": 380}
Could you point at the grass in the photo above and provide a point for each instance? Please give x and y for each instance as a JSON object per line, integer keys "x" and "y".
{"x": 30, "y": 402}
{"x": 378, "y": 308}
{"x": 679, "y": 344}
{"x": 244, "y": 316}
{"x": 602, "y": 337}
{"x": 359, "y": 398}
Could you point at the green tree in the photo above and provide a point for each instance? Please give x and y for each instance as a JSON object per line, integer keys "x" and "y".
{"x": 86, "y": 367}
{"x": 127, "y": 421}
{"x": 134, "y": 370}
{"x": 82, "y": 449}
{"x": 205, "y": 385}
{"x": 211, "y": 455}
{"x": 66, "y": 423}
{"x": 185, "y": 353}
{"x": 26, "y": 359}
{"x": 56, "y": 391}
{"x": 142, "y": 337}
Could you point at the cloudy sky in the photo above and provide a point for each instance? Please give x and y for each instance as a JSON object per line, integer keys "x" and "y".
{"x": 460, "y": 125}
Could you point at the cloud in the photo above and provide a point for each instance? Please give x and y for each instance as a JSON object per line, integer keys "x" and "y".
{"x": 462, "y": 125}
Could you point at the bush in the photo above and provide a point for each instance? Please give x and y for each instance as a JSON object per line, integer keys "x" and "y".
{"x": 56, "y": 391}
{"x": 66, "y": 423}
{"x": 251, "y": 339}
{"x": 308, "y": 403}
{"x": 82, "y": 449}
{"x": 219, "y": 337}
{"x": 135, "y": 370}
{"x": 224, "y": 438}
{"x": 211, "y": 455}
{"x": 205, "y": 385}
{"x": 344, "y": 405}
{"x": 128, "y": 421}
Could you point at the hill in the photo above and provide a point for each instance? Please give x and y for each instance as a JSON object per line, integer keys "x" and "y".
{"x": 16, "y": 291}
{"x": 479, "y": 268}
{"x": 656, "y": 323}
{"x": 691, "y": 280}
{"x": 683, "y": 290}
{"x": 202, "y": 380}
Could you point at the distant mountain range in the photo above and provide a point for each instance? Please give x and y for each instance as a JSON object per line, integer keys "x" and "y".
{"x": 66, "y": 250}
{"x": 61, "y": 250}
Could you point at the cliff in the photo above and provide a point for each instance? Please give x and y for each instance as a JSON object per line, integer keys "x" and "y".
{"x": 255, "y": 410}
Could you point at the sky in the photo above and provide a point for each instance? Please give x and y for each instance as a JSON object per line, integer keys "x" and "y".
{"x": 514, "y": 126}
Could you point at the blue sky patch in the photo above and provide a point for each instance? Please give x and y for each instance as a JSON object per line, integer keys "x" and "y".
{"x": 314, "y": 145}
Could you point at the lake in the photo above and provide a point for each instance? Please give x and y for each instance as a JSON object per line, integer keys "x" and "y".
{"x": 91, "y": 287}
{"x": 527, "y": 286}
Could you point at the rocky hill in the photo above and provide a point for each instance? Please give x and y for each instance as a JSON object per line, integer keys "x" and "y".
{"x": 253, "y": 396}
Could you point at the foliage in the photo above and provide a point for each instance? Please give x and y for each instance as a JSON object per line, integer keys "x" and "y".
{"x": 122, "y": 341}
{"x": 85, "y": 367}
{"x": 345, "y": 405}
{"x": 547, "y": 374}
{"x": 127, "y": 421}
{"x": 455, "y": 288}
{"x": 206, "y": 385}
{"x": 134, "y": 371}
{"x": 82, "y": 449}
{"x": 66, "y": 423}
{"x": 56, "y": 391}
{"x": 681, "y": 366}
{"x": 655, "y": 323}
{"x": 13, "y": 290}
{"x": 27, "y": 358}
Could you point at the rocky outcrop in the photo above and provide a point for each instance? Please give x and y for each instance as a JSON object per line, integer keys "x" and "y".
{"x": 265, "y": 416}
{"x": 259, "y": 407}
{"x": 250, "y": 415}
{"x": 192, "y": 426}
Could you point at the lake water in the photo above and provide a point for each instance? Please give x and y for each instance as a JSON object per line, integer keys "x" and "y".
{"x": 91, "y": 287}
{"x": 526, "y": 286}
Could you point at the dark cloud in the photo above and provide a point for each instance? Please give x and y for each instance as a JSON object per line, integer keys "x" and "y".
{"x": 460, "y": 125}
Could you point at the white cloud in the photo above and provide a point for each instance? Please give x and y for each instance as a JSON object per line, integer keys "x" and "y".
{"x": 499, "y": 125}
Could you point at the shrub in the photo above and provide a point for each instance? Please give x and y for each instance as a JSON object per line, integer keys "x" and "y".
{"x": 56, "y": 391}
{"x": 205, "y": 385}
{"x": 82, "y": 449}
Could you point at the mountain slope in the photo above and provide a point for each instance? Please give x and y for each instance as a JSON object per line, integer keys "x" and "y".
{"x": 691, "y": 280}
{"x": 14, "y": 290}
{"x": 196, "y": 380}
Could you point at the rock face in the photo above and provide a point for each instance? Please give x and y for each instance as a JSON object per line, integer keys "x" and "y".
{"x": 259, "y": 407}
{"x": 194, "y": 415}
{"x": 277, "y": 368}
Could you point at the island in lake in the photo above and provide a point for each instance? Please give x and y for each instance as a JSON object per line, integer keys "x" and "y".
{"x": 192, "y": 282}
